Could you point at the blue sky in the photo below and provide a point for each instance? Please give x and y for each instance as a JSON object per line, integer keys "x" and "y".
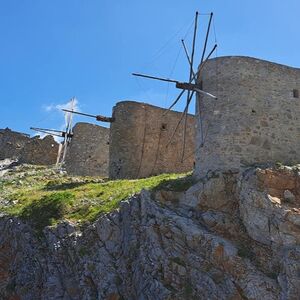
{"x": 52, "y": 50}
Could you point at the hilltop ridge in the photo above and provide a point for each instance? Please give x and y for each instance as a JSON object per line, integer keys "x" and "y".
{"x": 228, "y": 236}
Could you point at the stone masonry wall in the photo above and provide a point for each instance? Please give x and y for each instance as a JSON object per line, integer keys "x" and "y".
{"x": 39, "y": 151}
{"x": 88, "y": 152}
{"x": 27, "y": 150}
{"x": 255, "y": 119}
{"x": 11, "y": 143}
{"x": 139, "y": 138}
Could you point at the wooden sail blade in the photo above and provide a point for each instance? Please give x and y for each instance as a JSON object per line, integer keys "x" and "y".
{"x": 68, "y": 117}
{"x": 46, "y": 129}
{"x": 79, "y": 113}
{"x": 205, "y": 93}
{"x": 180, "y": 120}
{"x": 60, "y": 134}
{"x": 206, "y": 59}
{"x": 199, "y": 119}
{"x": 184, "y": 132}
{"x": 97, "y": 117}
{"x": 206, "y": 38}
{"x": 187, "y": 56}
{"x": 154, "y": 77}
{"x": 193, "y": 48}
{"x": 175, "y": 102}
{"x": 189, "y": 99}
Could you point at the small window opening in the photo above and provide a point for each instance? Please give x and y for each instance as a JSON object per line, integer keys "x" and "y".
{"x": 163, "y": 126}
{"x": 296, "y": 93}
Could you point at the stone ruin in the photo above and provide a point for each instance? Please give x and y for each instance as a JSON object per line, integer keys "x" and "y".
{"x": 135, "y": 145}
{"x": 139, "y": 141}
{"x": 16, "y": 145}
{"x": 138, "y": 144}
{"x": 255, "y": 119}
{"x": 88, "y": 152}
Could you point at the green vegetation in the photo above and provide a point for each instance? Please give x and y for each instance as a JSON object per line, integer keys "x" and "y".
{"x": 43, "y": 196}
{"x": 48, "y": 209}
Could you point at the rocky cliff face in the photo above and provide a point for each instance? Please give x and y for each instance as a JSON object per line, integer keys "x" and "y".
{"x": 230, "y": 236}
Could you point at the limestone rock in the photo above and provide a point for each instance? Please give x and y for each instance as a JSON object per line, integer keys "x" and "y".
{"x": 289, "y": 196}
{"x": 227, "y": 237}
{"x": 267, "y": 219}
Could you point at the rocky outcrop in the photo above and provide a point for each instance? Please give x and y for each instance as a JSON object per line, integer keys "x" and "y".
{"x": 230, "y": 236}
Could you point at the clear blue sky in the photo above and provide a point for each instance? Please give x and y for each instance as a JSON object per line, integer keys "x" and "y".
{"x": 52, "y": 50}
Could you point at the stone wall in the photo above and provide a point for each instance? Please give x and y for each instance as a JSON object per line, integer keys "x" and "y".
{"x": 27, "y": 150}
{"x": 139, "y": 137}
{"x": 88, "y": 152}
{"x": 255, "y": 119}
{"x": 11, "y": 143}
{"x": 39, "y": 151}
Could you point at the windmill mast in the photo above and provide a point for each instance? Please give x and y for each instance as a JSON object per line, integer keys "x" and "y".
{"x": 192, "y": 86}
{"x": 67, "y": 138}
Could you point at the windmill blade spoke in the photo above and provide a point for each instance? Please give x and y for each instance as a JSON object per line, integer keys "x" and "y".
{"x": 205, "y": 93}
{"x": 188, "y": 57}
{"x": 47, "y": 132}
{"x": 206, "y": 59}
{"x": 68, "y": 118}
{"x": 191, "y": 61}
{"x": 184, "y": 136}
{"x": 184, "y": 131}
{"x": 174, "y": 103}
{"x": 181, "y": 118}
{"x": 199, "y": 118}
{"x": 206, "y": 38}
{"x": 188, "y": 101}
{"x": 154, "y": 77}
{"x": 193, "y": 48}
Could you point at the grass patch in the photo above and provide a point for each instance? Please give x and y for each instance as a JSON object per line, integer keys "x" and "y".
{"x": 48, "y": 210}
{"x": 43, "y": 196}
{"x": 179, "y": 184}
